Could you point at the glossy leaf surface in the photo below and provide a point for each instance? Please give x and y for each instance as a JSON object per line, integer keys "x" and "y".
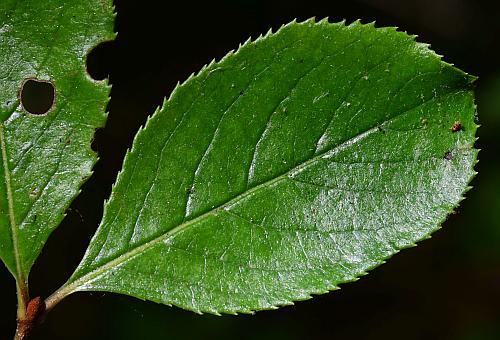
{"x": 46, "y": 157}
{"x": 295, "y": 164}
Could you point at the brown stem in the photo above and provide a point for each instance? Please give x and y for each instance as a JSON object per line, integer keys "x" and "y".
{"x": 34, "y": 310}
{"x": 22, "y": 330}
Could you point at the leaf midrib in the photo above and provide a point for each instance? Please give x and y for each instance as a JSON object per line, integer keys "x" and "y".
{"x": 10, "y": 201}
{"x": 79, "y": 283}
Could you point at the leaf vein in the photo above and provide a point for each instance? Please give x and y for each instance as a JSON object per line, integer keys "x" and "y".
{"x": 348, "y": 95}
{"x": 187, "y": 209}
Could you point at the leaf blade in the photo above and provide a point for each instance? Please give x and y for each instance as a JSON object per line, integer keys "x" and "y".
{"x": 47, "y": 157}
{"x": 212, "y": 232}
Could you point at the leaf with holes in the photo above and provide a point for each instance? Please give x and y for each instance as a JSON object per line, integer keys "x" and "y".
{"x": 300, "y": 162}
{"x": 49, "y": 109}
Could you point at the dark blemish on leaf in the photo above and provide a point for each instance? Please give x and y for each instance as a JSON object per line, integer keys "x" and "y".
{"x": 190, "y": 190}
{"x": 448, "y": 156}
{"x": 242, "y": 93}
{"x": 35, "y": 218}
{"x": 68, "y": 142}
{"x": 37, "y": 97}
{"x": 381, "y": 129}
{"x": 456, "y": 126}
{"x": 301, "y": 61}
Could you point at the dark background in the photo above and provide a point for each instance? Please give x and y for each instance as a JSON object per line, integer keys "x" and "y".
{"x": 447, "y": 288}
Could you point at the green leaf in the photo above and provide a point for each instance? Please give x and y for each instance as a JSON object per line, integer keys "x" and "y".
{"x": 295, "y": 164}
{"x": 45, "y": 158}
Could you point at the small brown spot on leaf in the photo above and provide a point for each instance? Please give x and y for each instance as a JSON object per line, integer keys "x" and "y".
{"x": 456, "y": 126}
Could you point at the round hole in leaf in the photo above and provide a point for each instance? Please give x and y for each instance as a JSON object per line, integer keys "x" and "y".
{"x": 37, "y": 96}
